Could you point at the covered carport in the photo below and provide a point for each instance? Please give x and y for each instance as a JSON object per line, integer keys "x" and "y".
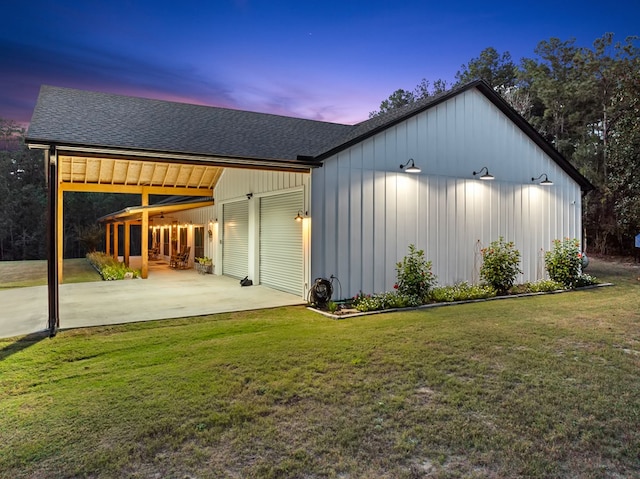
{"x": 96, "y": 142}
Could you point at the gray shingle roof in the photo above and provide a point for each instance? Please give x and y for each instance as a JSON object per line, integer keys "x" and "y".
{"x": 76, "y": 117}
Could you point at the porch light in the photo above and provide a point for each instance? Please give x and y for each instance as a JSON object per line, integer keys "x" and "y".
{"x": 545, "y": 182}
{"x": 410, "y": 169}
{"x": 486, "y": 176}
{"x": 299, "y": 217}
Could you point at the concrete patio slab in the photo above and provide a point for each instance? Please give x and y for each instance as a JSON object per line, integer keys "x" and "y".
{"x": 165, "y": 294}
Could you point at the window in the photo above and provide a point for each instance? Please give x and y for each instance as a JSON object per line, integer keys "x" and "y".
{"x": 165, "y": 246}
{"x": 198, "y": 241}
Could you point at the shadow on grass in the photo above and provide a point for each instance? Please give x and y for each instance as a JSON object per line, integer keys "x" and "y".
{"x": 22, "y": 344}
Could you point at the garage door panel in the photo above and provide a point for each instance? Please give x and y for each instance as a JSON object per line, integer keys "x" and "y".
{"x": 281, "y": 249}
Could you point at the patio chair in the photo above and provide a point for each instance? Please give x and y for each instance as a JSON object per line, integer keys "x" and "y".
{"x": 154, "y": 252}
{"x": 183, "y": 261}
{"x": 175, "y": 258}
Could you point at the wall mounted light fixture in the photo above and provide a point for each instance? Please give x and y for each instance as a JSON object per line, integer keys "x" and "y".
{"x": 299, "y": 217}
{"x": 486, "y": 176}
{"x": 249, "y": 196}
{"x": 410, "y": 169}
{"x": 545, "y": 182}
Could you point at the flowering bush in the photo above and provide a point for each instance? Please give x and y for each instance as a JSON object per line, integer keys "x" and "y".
{"x": 585, "y": 280}
{"x": 564, "y": 262}
{"x": 461, "y": 292}
{"x": 414, "y": 276}
{"x": 500, "y": 265}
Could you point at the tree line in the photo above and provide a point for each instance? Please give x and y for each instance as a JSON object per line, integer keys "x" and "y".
{"x": 586, "y": 102}
{"x": 23, "y": 201}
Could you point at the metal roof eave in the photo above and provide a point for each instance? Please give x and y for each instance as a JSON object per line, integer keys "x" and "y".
{"x": 133, "y": 212}
{"x": 301, "y": 163}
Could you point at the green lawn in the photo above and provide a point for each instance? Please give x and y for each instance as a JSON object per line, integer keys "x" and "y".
{"x": 20, "y": 274}
{"x": 544, "y": 386}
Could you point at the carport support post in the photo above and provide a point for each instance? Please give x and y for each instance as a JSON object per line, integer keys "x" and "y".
{"x": 116, "y": 227}
{"x": 144, "y": 248}
{"x": 127, "y": 242}
{"x": 51, "y": 159}
{"x": 107, "y": 239}
{"x": 60, "y": 240}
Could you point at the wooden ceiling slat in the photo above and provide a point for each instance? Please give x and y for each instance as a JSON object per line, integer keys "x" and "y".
{"x": 166, "y": 174}
{"x": 175, "y": 183}
{"x": 203, "y": 174}
{"x": 100, "y": 172}
{"x": 153, "y": 174}
{"x": 126, "y": 173}
{"x": 190, "y": 179}
{"x": 216, "y": 176}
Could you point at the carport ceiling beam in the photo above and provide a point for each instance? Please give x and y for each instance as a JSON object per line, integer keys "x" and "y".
{"x": 135, "y": 189}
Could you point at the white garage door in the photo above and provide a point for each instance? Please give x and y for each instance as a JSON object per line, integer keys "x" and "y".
{"x": 281, "y": 256}
{"x": 235, "y": 239}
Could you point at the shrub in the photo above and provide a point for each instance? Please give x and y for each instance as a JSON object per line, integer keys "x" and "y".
{"x": 540, "y": 286}
{"x": 109, "y": 268}
{"x": 461, "y": 292}
{"x": 500, "y": 265}
{"x": 414, "y": 276}
{"x": 112, "y": 272}
{"x": 564, "y": 262}
{"x": 388, "y": 300}
{"x": 585, "y": 280}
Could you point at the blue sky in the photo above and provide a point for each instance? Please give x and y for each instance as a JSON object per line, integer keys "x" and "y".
{"x": 326, "y": 60}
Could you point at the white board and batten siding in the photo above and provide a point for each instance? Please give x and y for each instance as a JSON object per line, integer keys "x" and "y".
{"x": 367, "y": 211}
{"x": 278, "y": 255}
{"x": 204, "y": 217}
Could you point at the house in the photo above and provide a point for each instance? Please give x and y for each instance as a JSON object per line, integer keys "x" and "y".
{"x": 296, "y": 199}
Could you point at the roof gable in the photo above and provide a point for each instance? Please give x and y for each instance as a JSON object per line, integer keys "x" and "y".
{"x": 375, "y": 125}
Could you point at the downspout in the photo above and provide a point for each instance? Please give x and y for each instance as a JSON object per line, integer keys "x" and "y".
{"x": 51, "y": 161}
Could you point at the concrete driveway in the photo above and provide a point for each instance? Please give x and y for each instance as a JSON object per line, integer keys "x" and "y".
{"x": 165, "y": 294}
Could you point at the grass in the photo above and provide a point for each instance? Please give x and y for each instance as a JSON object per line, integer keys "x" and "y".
{"x": 543, "y": 386}
{"x": 20, "y": 274}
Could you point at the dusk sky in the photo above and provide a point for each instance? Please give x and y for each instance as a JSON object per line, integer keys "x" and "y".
{"x": 325, "y": 60}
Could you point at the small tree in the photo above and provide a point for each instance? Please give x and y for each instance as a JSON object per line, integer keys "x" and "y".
{"x": 564, "y": 261}
{"x": 500, "y": 265}
{"x": 414, "y": 275}
{"x": 89, "y": 237}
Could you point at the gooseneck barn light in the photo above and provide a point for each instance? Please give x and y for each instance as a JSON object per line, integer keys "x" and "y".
{"x": 545, "y": 182}
{"x": 486, "y": 176}
{"x": 410, "y": 169}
